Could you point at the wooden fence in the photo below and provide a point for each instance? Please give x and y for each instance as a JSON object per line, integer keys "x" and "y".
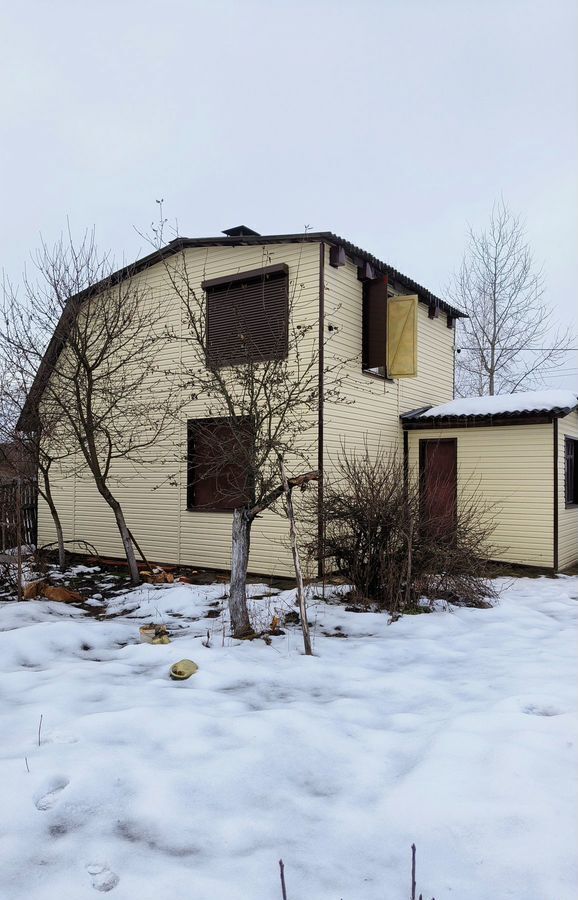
{"x": 13, "y": 508}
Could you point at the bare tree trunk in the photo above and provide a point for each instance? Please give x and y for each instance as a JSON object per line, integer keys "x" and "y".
{"x": 59, "y": 537}
{"x": 138, "y": 549}
{"x": 47, "y": 494}
{"x": 126, "y": 542}
{"x": 296, "y": 563}
{"x": 241, "y": 533}
{"x": 409, "y": 576}
{"x": 19, "y": 538}
{"x": 123, "y": 531}
{"x": 3, "y": 516}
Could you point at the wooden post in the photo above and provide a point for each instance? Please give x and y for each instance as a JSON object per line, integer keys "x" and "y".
{"x": 296, "y": 563}
{"x": 19, "y": 537}
{"x": 3, "y": 515}
{"x": 282, "y": 876}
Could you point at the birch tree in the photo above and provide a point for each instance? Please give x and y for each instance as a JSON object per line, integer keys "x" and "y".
{"x": 509, "y": 342}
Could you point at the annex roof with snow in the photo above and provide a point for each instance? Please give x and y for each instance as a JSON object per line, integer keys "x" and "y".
{"x": 501, "y": 409}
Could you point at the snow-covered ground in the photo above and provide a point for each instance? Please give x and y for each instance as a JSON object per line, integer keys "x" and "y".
{"x": 455, "y": 730}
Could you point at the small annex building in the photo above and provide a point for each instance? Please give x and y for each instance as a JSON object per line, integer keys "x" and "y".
{"x": 519, "y": 454}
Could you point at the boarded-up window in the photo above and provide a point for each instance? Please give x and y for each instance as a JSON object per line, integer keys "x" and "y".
{"x": 402, "y": 336}
{"x": 247, "y": 317}
{"x": 571, "y": 479}
{"x": 375, "y": 326}
{"x": 218, "y": 464}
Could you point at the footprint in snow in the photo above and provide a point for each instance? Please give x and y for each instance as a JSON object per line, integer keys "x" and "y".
{"x": 47, "y": 801}
{"x": 535, "y": 710}
{"x": 59, "y": 737}
{"x": 103, "y": 878}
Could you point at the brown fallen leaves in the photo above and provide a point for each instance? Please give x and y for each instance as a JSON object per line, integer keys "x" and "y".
{"x": 41, "y": 588}
{"x": 156, "y": 576}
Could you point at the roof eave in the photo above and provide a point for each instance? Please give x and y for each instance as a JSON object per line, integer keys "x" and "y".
{"x": 412, "y": 421}
{"x": 28, "y": 415}
{"x": 425, "y": 295}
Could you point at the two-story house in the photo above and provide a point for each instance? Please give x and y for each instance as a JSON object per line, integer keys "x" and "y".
{"x": 343, "y": 292}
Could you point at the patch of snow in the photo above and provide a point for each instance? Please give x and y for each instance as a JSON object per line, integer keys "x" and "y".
{"x": 455, "y": 729}
{"x": 528, "y": 401}
{"x": 25, "y": 550}
{"x": 81, "y": 570}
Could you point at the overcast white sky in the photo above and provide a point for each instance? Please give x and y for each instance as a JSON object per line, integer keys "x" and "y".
{"x": 393, "y": 123}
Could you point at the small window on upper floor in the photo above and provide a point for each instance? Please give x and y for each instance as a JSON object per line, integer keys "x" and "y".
{"x": 374, "y": 328}
{"x": 571, "y": 471}
{"x": 247, "y": 316}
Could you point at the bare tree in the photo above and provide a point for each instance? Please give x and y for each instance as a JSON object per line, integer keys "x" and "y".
{"x": 88, "y": 339}
{"x": 261, "y": 408}
{"x": 40, "y": 449}
{"x": 509, "y": 340}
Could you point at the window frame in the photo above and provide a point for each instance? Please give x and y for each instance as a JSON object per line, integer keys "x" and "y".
{"x": 222, "y": 285}
{"x": 372, "y": 372}
{"x": 192, "y": 424}
{"x": 573, "y": 483}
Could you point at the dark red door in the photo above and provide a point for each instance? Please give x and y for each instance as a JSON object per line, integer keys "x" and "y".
{"x": 439, "y": 485}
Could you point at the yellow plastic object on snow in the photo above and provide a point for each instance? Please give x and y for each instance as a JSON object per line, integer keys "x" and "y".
{"x": 154, "y": 634}
{"x": 183, "y": 669}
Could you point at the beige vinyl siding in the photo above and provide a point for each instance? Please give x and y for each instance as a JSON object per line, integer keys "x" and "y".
{"x": 373, "y": 405}
{"x": 511, "y": 468}
{"x": 567, "y": 516}
{"x": 153, "y": 496}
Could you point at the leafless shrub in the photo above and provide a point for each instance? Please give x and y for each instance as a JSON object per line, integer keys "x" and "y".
{"x": 378, "y": 540}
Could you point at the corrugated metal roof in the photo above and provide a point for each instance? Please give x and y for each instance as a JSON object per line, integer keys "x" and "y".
{"x": 553, "y": 403}
{"x": 354, "y": 252}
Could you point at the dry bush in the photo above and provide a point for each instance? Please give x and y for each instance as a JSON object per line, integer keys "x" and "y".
{"x": 376, "y": 539}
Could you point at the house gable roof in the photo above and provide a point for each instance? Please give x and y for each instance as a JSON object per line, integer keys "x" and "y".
{"x": 242, "y": 237}
{"x": 238, "y": 236}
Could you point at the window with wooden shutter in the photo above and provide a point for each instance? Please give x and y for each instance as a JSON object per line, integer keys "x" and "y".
{"x": 374, "y": 337}
{"x": 218, "y": 464}
{"x": 247, "y": 316}
{"x": 571, "y": 473}
{"x": 402, "y": 336}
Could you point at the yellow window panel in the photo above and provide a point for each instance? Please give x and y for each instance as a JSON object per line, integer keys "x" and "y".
{"x": 402, "y": 336}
